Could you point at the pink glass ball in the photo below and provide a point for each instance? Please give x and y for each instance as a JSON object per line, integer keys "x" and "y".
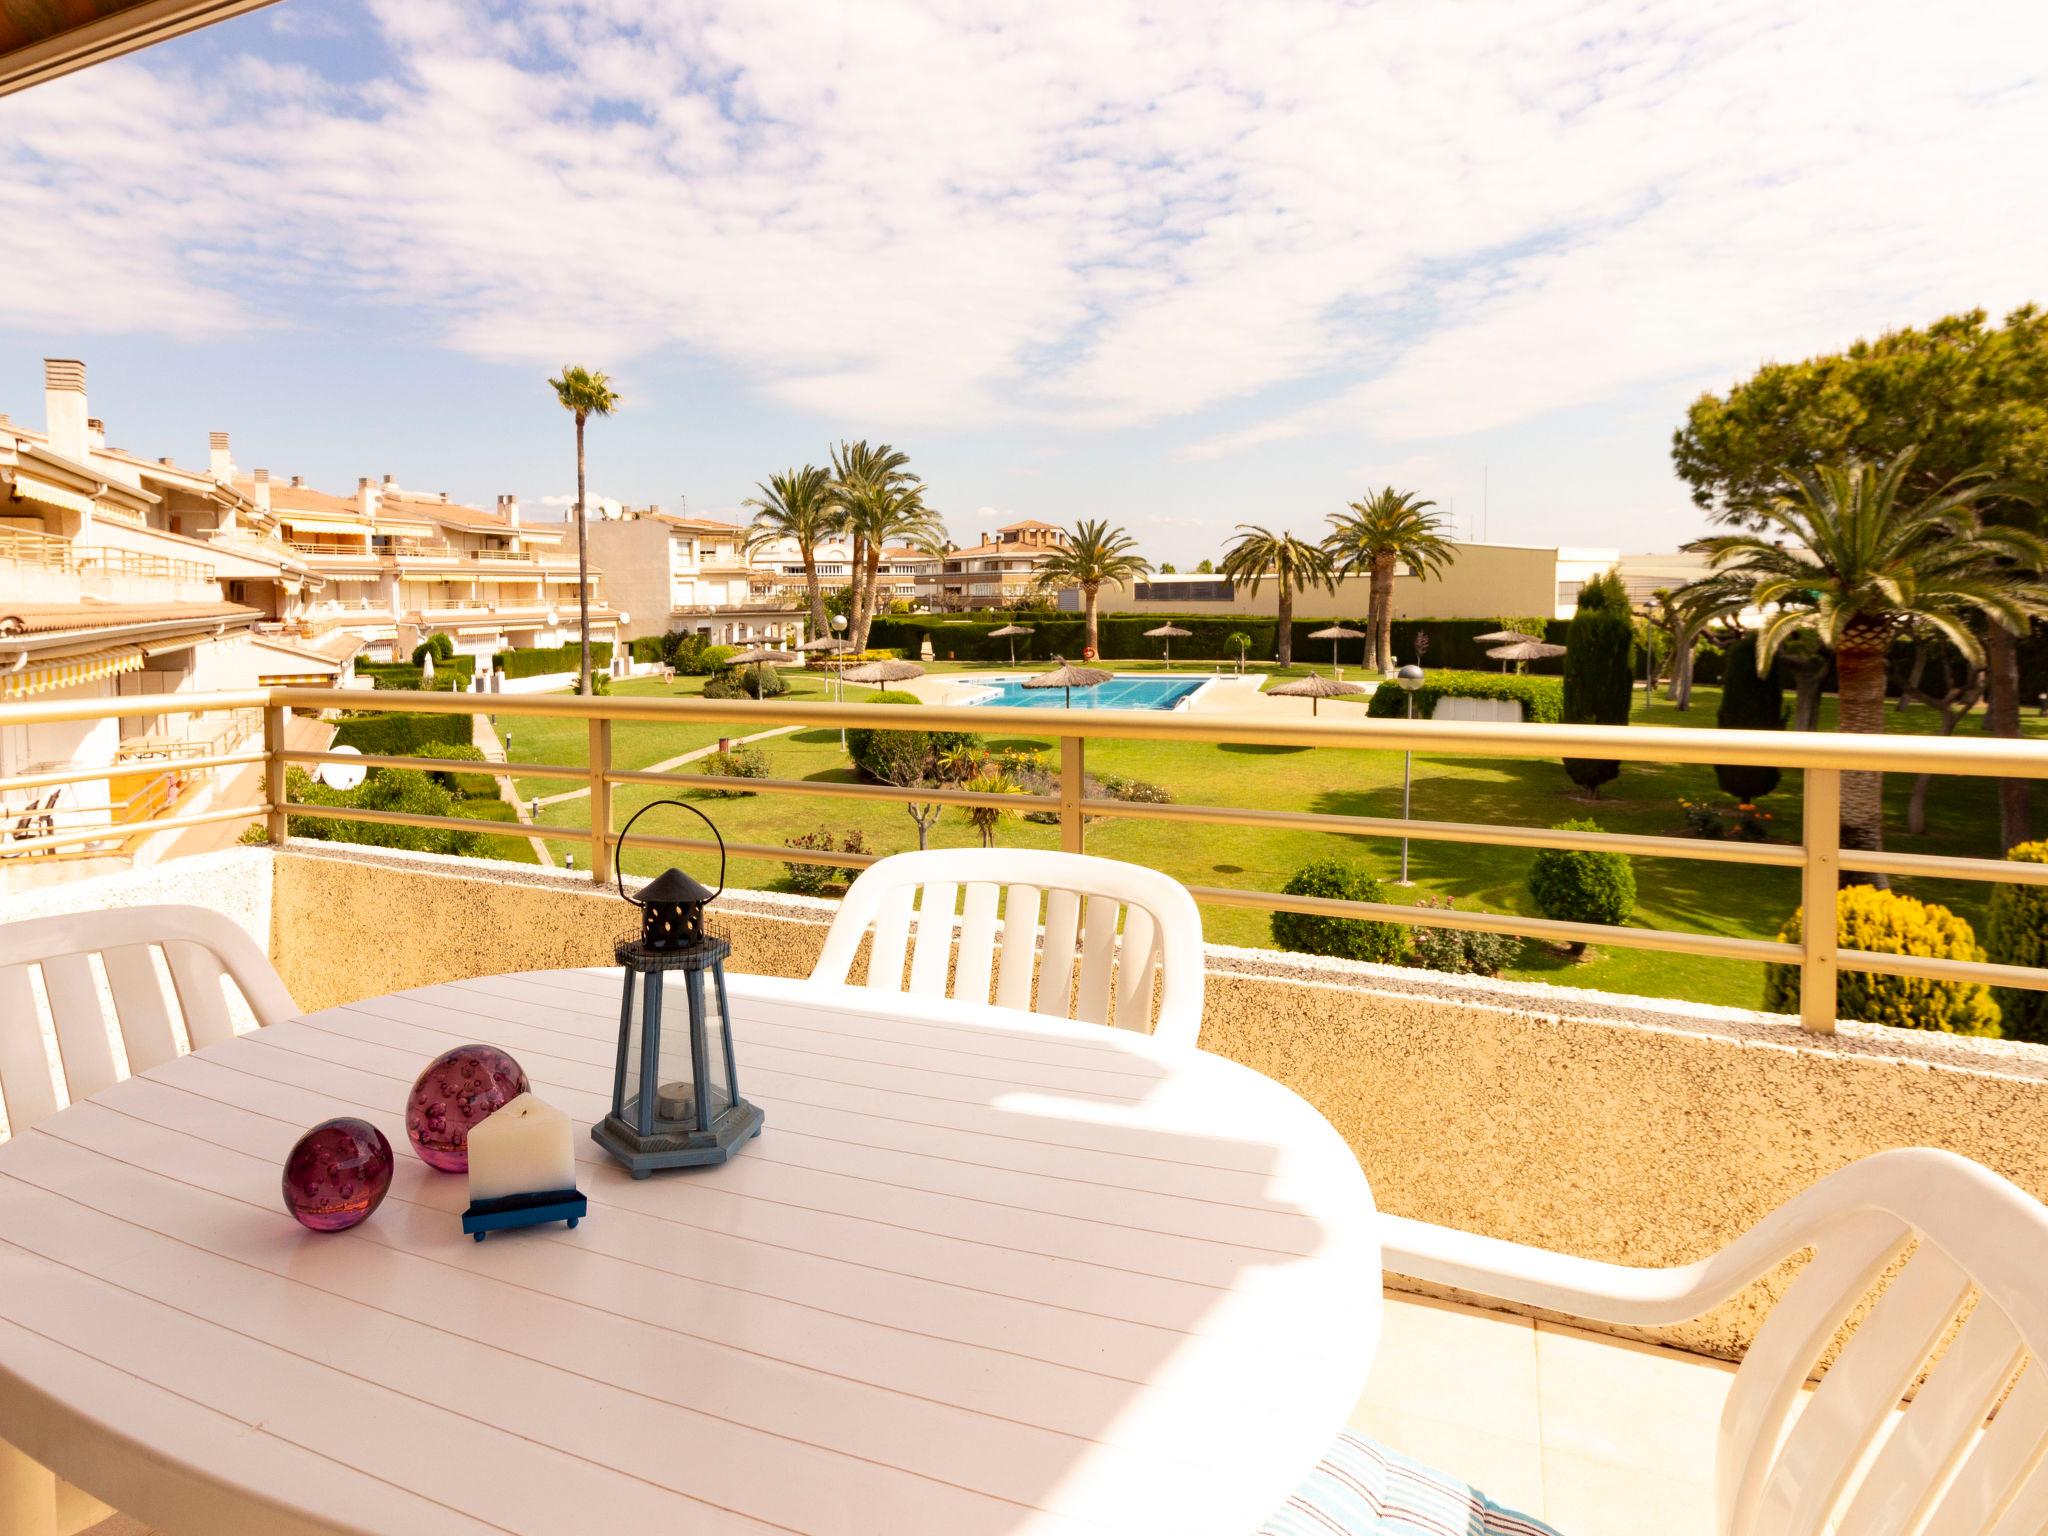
{"x": 337, "y": 1173}
{"x": 458, "y": 1089}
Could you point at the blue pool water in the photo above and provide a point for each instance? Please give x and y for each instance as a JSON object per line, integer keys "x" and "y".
{"x": 1117, "y": 693}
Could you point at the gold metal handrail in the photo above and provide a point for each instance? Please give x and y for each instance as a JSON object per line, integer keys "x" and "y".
{"x": 1818, "y": 856}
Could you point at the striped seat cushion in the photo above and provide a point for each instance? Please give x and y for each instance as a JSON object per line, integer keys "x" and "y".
{"x": 1360, "y": 1488}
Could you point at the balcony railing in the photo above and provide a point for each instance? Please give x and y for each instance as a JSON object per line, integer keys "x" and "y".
{"x": 1819, "y": 855}
{"x": 137, "y": 564}
{"x": 40, "y": 551}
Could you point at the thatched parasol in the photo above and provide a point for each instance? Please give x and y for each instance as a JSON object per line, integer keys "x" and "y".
{"x": 1524, "y": 650}
{"x": 826, "y": 643}
{"x": 757, "y": 658}
{"x": 1337, "y": 634}
{"x": 1315, "y": 688}
{"x": 1069, "y": 678}
{"x": 1010, "y": 632}
{"x": 1169, "y": 633}
{"x": 882, "y": 673}
{"x": 1507, "y": 637}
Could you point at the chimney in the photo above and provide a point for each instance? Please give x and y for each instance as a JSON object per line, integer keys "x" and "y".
{"x": 219, "y": 461}
{"x": 298, "y": 482}
{"x": 366, "y": 498}
{"x": 95, "y": 432}
{"x": 64, "y": 407}
{"x": 262, "y": 496}
{"x": 387, "y": 480}
{"x": 508, "y": 509}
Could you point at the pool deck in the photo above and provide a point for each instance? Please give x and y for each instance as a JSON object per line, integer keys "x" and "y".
{"x": 1228, "y": 694}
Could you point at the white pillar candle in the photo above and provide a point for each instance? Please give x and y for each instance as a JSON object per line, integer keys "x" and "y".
{"x": 521, "y": 1149}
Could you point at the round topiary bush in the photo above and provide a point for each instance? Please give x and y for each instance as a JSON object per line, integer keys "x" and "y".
{"x": 745, "y": 683}
{"x": 1576, "y": 886}
{"x": 1348, "y": 938}
{"x": 440, "y": 647}
{"x": 2017, "y": 934}
{"x": 889, "y": 757}
{"x": 1886, "y": 923}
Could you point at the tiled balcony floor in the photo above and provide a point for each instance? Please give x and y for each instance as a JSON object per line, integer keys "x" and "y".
{"x": 1597, "y": 1436}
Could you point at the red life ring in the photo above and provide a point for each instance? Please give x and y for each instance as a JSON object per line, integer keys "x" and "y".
{"x": 1087, "y": 653}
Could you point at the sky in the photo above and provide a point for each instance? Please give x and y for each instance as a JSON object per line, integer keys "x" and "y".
{"x": 1180, "y": 265}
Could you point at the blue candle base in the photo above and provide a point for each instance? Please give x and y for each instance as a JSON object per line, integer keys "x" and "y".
{"x": 487, "y": 1216}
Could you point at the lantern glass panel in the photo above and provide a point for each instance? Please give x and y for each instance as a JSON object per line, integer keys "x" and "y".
{"x": 676, "y": 1092}
{"x": 642, "y": 993}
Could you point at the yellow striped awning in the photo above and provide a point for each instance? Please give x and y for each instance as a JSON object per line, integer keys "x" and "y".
{"x": 68, "y": 672}
{"x": 30, "y": 488}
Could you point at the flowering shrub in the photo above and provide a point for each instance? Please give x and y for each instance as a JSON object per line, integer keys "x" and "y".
{"x": 1886, "y": 923}
{"x": 1457, "y": 952}
{"x": 817, "y": 879}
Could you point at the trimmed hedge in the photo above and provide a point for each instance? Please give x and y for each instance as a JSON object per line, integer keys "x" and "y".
{"x": 1887, "y": 923}
{"x": 1451, "y": 641}
{"x": 395, "y": 735}
{"x": 2017, "y": 934}
{"x": 540, "y": 660}
{"x": 1749, "y": 703}
{"x": 1541, "y": 698}
{"x": 1599, "y": 672}
{"x": 386, "y": 789}
{"x": 405, "y": 676}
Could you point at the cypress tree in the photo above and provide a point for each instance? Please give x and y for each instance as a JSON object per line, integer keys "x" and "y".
{"x": 1599, "y": 672}
{"x": 1749, "y": 703}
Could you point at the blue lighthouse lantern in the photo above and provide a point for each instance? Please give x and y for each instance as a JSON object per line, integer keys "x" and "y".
{"x": 675, "y": 1091}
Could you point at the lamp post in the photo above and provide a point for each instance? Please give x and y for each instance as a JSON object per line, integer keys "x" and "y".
{"x": 1648, "y": 608}
{"x": 839, "y": 673}
{"x": 1410, "y": 679}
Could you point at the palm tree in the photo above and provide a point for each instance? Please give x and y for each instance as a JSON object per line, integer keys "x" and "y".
{"x": 584, "y": 394}
{"x": 1295, "y": 563}
{"x": 797, "y": 505}
{"x": 1383, "y": 530}
{"x": 1094, "y": 555}
{"x": 878, "y": 499}
{"x": 1843, "y": 557}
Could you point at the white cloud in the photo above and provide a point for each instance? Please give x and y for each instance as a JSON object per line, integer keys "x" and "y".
{"x": 1400, "y": 221}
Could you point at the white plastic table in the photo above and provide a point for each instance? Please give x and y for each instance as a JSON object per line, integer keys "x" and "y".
{"x": 983, "y": 1272}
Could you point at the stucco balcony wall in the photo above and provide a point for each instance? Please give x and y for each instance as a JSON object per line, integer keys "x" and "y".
{"x": 1626, "y": 1129}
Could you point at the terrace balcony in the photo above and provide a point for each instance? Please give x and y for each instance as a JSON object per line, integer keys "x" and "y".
{"x": 1627, "y": 1129}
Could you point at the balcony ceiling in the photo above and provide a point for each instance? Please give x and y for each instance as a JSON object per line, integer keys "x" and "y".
{"x": 42, "y": 40}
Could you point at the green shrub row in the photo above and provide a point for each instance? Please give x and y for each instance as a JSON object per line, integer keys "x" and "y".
{"x": 396, "y": 735}
{"x": 403, "y": 675}
{"x": 1540, "y": 697}
{"x": 541, "y": 660}
{"x": 1452, "y": 642}
{"x": 386, "y": 789}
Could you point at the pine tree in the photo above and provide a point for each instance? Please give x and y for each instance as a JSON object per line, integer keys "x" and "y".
{"x": 1599, "y": 672}
{"x": 1749, "y": 703}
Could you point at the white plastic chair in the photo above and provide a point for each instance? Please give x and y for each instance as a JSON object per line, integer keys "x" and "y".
{"x": 1162, "y": 932}
{"x": 198, "y": 946}
{"x": 1946, "y": 1466}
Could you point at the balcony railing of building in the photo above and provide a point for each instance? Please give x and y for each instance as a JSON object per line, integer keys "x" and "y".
{"x": 1818, "y": 856}
{"x": 137, "y": 565}
{"x": 38, "y": 551}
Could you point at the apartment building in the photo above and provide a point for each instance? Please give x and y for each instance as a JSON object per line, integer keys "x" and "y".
{"x": 696, "y": 574}
{"x": 1000, "y": 571}
{"x": 778, "y": 567}
{"x": 401, "y": 565}
{"x": 124, "y": 576}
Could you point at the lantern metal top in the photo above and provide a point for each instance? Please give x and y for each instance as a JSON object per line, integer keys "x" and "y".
{"x": 672, "y": 933}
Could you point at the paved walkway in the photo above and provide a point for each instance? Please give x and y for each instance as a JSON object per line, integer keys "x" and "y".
{"x": 487, "y": 742}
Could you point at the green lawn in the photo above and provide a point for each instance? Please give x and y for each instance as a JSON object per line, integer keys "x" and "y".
{"x": 1673, "y": 893}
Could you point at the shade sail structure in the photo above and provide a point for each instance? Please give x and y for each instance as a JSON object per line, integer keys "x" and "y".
{"x": 1069, "y": 677}
{"x": 1336, "y": 634}
{"x": 1010, "y": 632}
{"x": 1315, "y": 688}
{"x": 881, "y": 672}
{"x": 1168, "y": 633}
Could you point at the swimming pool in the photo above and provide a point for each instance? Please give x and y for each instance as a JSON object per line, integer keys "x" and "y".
{"x": 1117, "y": 693}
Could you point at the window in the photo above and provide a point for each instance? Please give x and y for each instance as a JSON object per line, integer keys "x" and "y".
{"x": 1568, "y": 593}
{"x": 1185, "y": 592}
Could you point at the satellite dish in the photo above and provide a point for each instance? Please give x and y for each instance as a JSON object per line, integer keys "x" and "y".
{"x": 343, "y": 775}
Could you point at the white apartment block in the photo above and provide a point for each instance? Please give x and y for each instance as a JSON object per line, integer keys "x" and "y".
{"x": 124, "y": 576}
